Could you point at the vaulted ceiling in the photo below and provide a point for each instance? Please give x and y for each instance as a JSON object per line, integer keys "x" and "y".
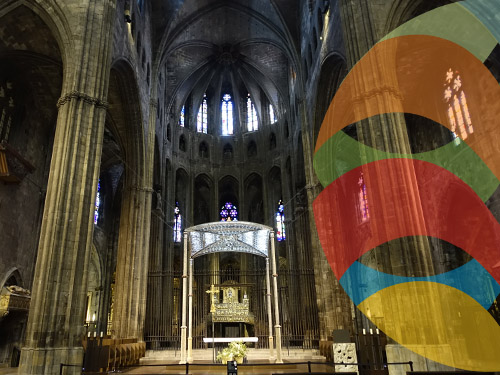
{"x": 204, "y": 43}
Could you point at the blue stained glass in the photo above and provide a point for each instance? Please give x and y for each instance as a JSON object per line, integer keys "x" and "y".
{"x": 280, "y": 222}
{"x": 228, "y": 212}
{"x": 97, "y": 203}
{"x": 181, "y": 117}
{"x": 177, "y": 223}
{"x": 227, "y": 115}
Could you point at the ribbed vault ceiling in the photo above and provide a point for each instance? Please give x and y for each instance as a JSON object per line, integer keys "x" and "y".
{"x": 207, "y": 44}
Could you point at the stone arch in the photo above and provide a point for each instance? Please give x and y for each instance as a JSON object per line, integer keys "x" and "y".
{"x": 182, "y": 143}
{"x": 203, "y": 150}
{"x": 227, "y": 152}
{"x": 229, "y": 192}
{"x": 251, "y": 149}
{"x": 125, "y": 119}
{"x": 275, "y": 190}
{"x": 404, "y": 10}
{"x": 54, "y": 19}
{"x": 272, "y": 141}
{"x": 12, "y": 277}
{"x": 254, "y": 199}
{"x": 203, "y": 199}
{"x": 182, "y": 190}
{"x": 333, "y": 70}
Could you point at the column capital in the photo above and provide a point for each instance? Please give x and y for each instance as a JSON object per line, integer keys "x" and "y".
{"x": 81, "y": 96}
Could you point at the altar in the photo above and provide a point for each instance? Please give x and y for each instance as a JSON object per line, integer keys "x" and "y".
{"x": 231, "y": 317}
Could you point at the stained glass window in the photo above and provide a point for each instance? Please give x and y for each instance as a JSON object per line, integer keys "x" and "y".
{"x": 280, "y": 222}
{"x": 177, "y": 223}
{"x": 363, "y": 200}
{"x": 97, "y": 203}
{"x": 458, "y": 110}
{"x": 272, "y": 117}
{"x": 252, "y": 122}
{"x": 181, "y": 117}
{"x": 201, "y": 123}
{"x": 229, "y": 212}
{"x": 227, "y": 115}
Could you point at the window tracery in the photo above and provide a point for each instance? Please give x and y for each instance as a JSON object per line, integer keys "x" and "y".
{"x": 177, "y": 223}
{"x": 227, "y": 115}
{"x": 458, "y": 110}
{"x": 181, "y": 117}
{"x": 280, "y": 222}
{"x": 252, "y": 123}
{"x": 272, "y": 116}
{"x": 202, "y": 120}
{"x": 229, "y": 212}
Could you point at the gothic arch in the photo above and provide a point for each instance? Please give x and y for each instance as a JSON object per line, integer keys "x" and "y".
{"x": 203, "y": 200}
{"x": 228, "y": 191}
{"x": 126, "y": 120}
{"x": 254, "y": 198}
{"x": 333, "y": 71}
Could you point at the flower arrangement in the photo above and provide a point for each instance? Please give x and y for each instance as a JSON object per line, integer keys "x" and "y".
{"x": 236, "y": 351}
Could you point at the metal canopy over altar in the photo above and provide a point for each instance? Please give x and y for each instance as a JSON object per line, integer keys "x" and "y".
{"x": 229, "y": 236}
{"x": 220, "y": 237}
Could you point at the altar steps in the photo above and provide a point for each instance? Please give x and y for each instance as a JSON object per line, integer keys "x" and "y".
{"x": 154, "y": 357}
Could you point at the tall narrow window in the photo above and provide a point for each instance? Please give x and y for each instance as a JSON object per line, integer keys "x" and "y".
{"x": 97, "y": 203}
{"x": 252, "y": 122}
{"x": 227, "y": 115}
{"x": 229, "y": 212}
{"x": 364, "y": 213}
{"x": 201, "y": 123}
{"x": 181, "y": 117}
{"x": 272, "y": 117}
{"x": 177, "y": 223}
{"x": 280, "y": 222}
{"x": 457, "y": 108}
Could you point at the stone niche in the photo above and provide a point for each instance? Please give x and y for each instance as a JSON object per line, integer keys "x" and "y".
{"x": 345, "y": 353}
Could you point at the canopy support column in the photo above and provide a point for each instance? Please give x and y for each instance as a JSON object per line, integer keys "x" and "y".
{"x": 277, "y": 327}
{"x": 184, "y": 295}
{"x": 269, "y": 312}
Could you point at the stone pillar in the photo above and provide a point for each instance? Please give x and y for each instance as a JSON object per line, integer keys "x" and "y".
{"x": 132, "y": 263}
{"x": 387, "y": 132}
{"x": 155, "y": 287}
{"x": 55, "y": 325}
{"x": 334, "y": 306}
{"x": 133, "y": 242}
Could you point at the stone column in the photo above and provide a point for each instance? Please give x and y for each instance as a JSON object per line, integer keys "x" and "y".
{"x": 155, "y": 287}
{"x": 387, "y": 132}
{"x": 334, "y": 306}
{"x": 55, "y": 325}
{"x": 133, "y": 242}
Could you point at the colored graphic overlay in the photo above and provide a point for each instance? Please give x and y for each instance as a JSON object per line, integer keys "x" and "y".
{"x": 433, "y": 67}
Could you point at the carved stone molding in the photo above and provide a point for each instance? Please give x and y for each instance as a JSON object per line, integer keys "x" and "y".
{"x": 81, "y": 96}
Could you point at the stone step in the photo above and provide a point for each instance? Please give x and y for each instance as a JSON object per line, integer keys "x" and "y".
{"x": 253, "y": 355}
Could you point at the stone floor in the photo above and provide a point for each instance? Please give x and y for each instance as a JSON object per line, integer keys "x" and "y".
{"x": 210, "y": 369}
